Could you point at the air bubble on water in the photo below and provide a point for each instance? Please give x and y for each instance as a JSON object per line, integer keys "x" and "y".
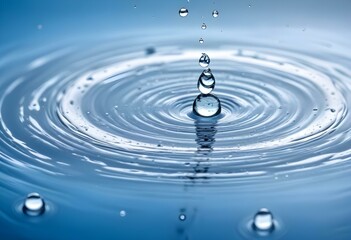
{"x": 215, "y": 13}
{"x": 263, "y": 220}
{"x": 182, "y": 217}
{"x": 204, "y": 26}
{"x": 207, "y": 105}
{"x": 183, "y": 12}
{"x": 204, "y": 60}
{"x": 123, "y": 213}
{"x": 34, "y": 205}
{"x": 201, "y": 40}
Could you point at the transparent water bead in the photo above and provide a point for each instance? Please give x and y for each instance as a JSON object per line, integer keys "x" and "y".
{"x": 206, "y": 78}
{"x": 263, "y": 220}
{"x": 183, "y": 12}
{"x": 215, "y": 13}
{"x": 204, "y": 60}
{"x": 204, "y": 26}
{"x": 182, "y": 217}
{"x": 207, "y": 105}
{"x": 34, "y": 205}
{"x": 206, "y": 82}
{"x": 123, "y": 213}
{"x": 201, "y": 40}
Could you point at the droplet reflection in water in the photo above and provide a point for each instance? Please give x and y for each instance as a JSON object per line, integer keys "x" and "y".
{"x": 263, "y": 221}
{"x": 204, "y": 60}
{"x": 207, "y": 105}
{"x": 183, "y": 12}
{"x": 34, "y": 205}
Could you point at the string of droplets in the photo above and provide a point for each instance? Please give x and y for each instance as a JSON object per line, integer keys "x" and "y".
{"x": 205, "y": 104}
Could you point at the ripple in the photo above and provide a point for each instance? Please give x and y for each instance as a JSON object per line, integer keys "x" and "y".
{"x": 126, "y": 113}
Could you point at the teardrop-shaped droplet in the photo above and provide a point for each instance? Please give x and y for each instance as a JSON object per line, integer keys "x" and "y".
{"x": 263, "y": 220}
{"x": 201, "y": 40}
{"x": 207, "y": 78}
{"x": 34, "y": 205}
{"x": 207, "y": 105}
{"x": 215, "y": 13}
{"x": 203, "y": 89}
{"x": 204, "y": 60}
{"x": 206, "y": 82}
{"x": 183, "y": 12}
{"x": 204, "y": 26}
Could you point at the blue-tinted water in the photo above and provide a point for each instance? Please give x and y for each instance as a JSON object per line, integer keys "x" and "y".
{"x": 96, "y": 116}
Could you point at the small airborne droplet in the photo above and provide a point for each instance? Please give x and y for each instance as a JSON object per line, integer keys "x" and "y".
{"x": 263, "y": 220}
{"x": 204, "y": 60}
{"x": 204, "y": 26}
{"x": 201, "y": 40}
{"x": 182, "y": 217}
{"x": 183, "y": 12}
{"x": 34, "y": 205}
{"x": 215, "y": 13}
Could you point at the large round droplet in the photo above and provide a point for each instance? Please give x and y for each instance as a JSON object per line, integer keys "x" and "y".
{"x": 204, "y": 60}
{"x": 183, "y": 12}
{"x": 207, "y": 105}
{"x": 263, "y": 220}
{"x": 34, "y": 205}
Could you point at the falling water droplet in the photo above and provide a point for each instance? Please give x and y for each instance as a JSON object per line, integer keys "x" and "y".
{"x": 204, "y": 26}
{"x": 263, "y": 220}
{"x": 182, "y": 217}
{"x": 183, "y": 12}
{"x": 207, "y": 105}
{"x": 215, "y": 13}
{"x": 201, "y": 40}
{"x": 206, "y": 82}
{"x": 34, "y": 205}
{"x": 204, "y": 60}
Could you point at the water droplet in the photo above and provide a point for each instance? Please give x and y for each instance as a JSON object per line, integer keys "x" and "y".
{"x": 215, "y": 13}
{"x": 206, "y": 105}
{"x": 183, "y": 12}
{"x": 204, "y": 60}
{"x": 203, "y": 89}
{"x": 207, "y": 78}
{"x": 201, "y": 40}
{"x": 34, "y": 205}
{"x": 206, "y": 82}
{"x": 263, "y": 220}
{"x": 182, "y": 217}
{"x": 332, "y": 110}
{"x": 123, "y": 213}
{"x": 204, "y": 26}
